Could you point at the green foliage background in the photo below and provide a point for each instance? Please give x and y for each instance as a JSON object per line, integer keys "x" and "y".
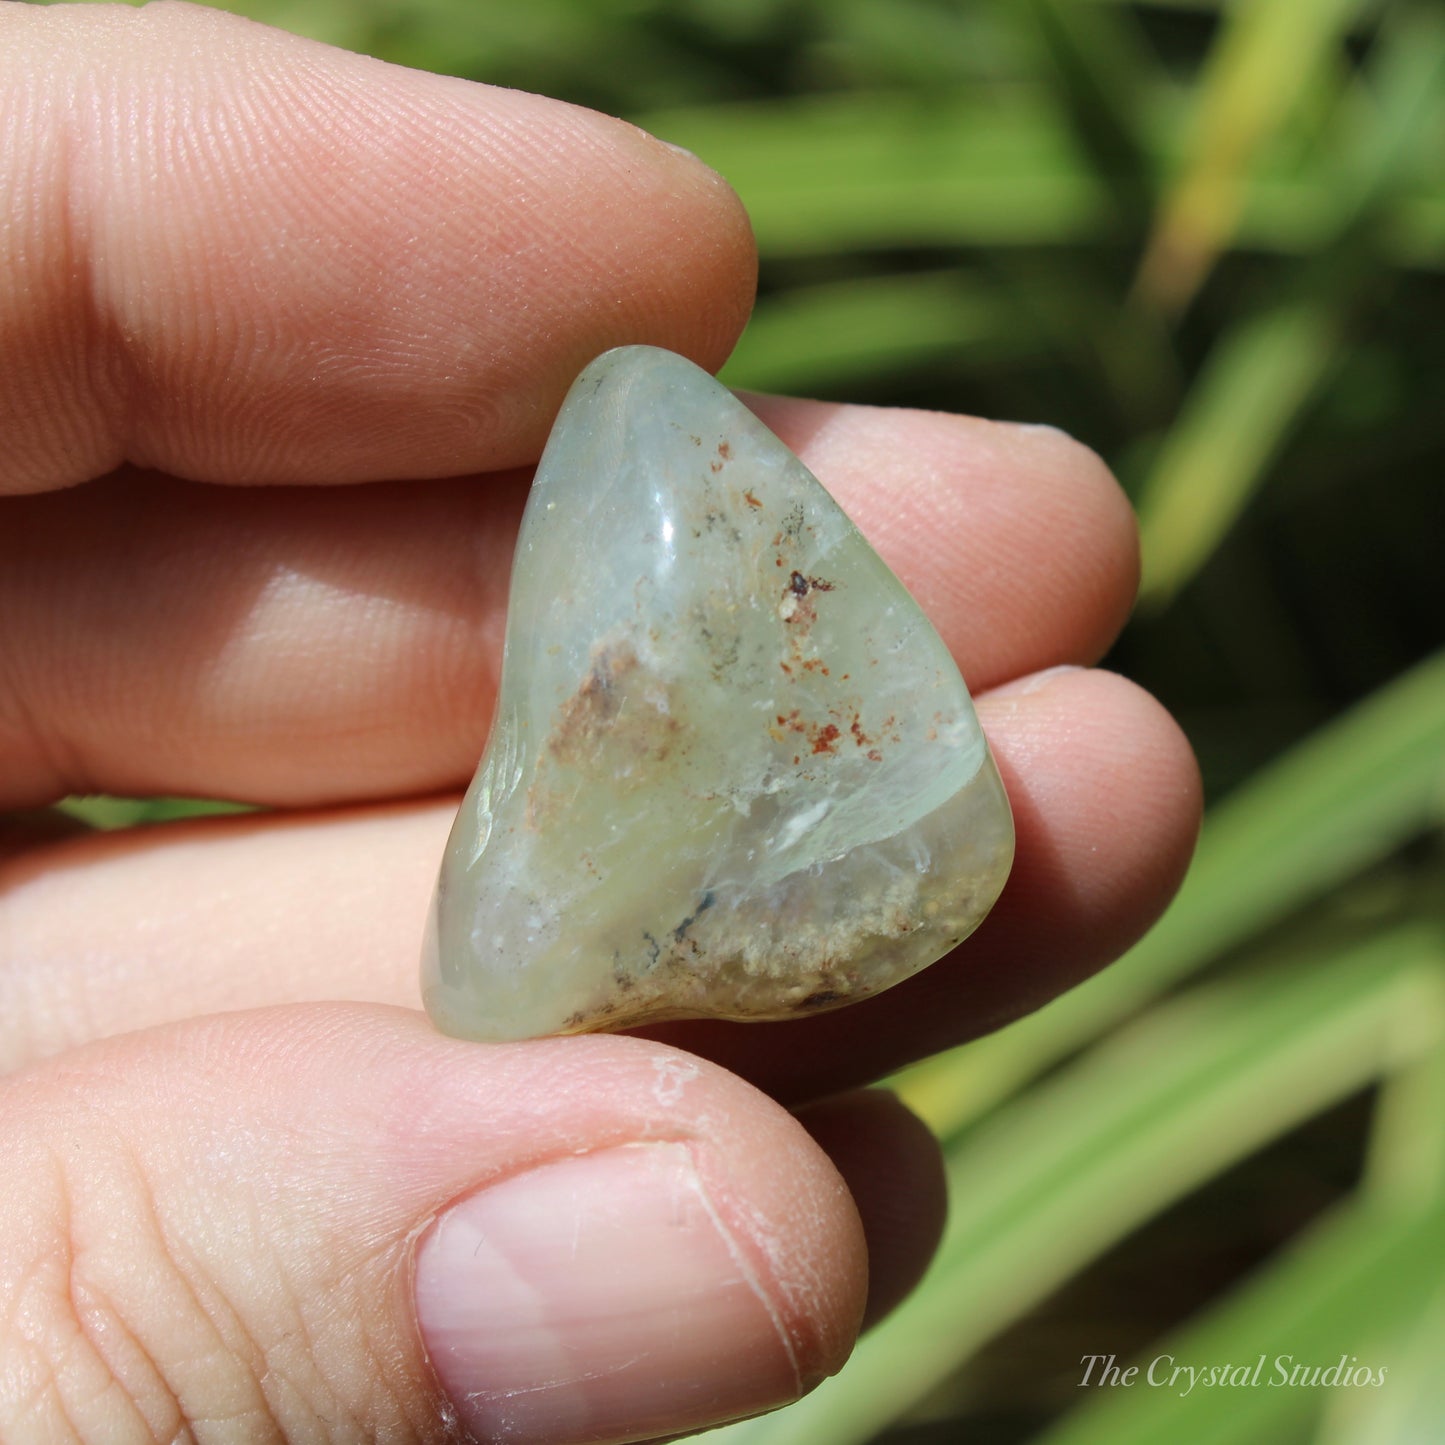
{"x": 1210, "y": 241}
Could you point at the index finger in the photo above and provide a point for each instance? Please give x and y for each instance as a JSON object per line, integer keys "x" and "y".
{"x": 240, "y": 256}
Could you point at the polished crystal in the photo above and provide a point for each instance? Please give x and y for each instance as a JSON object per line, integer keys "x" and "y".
{"x": 734, "y": 772}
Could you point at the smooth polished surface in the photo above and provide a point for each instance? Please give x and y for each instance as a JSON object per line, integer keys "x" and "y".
{"x": 734, "y": 772}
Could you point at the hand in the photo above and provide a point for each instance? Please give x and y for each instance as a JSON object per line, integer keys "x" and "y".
{"x": 240, "y": 272}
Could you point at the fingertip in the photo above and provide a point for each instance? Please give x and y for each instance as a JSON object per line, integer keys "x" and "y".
{"x": 1080, "y": 502}
{"x": 1107, "y": 801}
{"x": 716, "y": 232}
{"x": 249, "y": 257}
{"x": 787, "y": 1219}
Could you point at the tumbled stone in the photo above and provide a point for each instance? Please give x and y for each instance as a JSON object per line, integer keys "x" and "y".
{"x": 734, "y": 772}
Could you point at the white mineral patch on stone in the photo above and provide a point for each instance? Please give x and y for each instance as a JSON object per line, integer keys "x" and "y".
{"x": 734, "y": 771}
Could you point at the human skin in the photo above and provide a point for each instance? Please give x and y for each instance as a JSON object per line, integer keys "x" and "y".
{"x": 249, "y": 1192}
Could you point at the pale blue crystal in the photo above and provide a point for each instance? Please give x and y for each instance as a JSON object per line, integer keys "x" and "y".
{"x": 734, "y": 772}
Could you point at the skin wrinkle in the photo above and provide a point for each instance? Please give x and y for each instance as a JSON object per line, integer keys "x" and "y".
{"x": 119, "y": 1396}
{"x": 38, "y": 1282}
{"x": 377, "y": 1399}
{"x": 110, "y": 389}
{"x": 101, "y": 145}
{"x": 280, "y": 1390}
{"x": 803, "y": 1295}
{"x": 227, "y": 1349}
{"x": 48, "y": 1312}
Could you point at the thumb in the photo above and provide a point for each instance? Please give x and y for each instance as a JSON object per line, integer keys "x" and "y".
{"x": 331, "y": 1222}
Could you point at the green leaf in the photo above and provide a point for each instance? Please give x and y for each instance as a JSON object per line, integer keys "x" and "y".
{"x": 1348, "y": 1290}
{"x": 1263, "y": 373}
{"x": 1406, "y": 1162}
{"x": 1411, "y": 1406}
{"x": 1264, "y": 59}
{"x": 1385, "y": 154}
{"x": 1344, "y": 798}
{"x": 823, "y": 335}
{"x": 1064, "y": 1172}
{"x": 1368, "y": 1280}
{"x": 103, "y": 812}
{"x": 1103, "y": 73}
{"x": 825, "y": 175}
{"x": 1237, "y": 416}
{"x": 828, "y": 174}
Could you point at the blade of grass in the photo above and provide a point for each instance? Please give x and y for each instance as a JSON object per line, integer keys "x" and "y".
{"x": 1405, "y": 1171}
{"x": 1405, "y": 86}
{"x": 990, "y": 166}
{"x": 1412, "y": 1406}
{"x": 918, "y": 43}
{"x": 1406, "y": 1161}
{"x": 104, "y": 812}
{"x": 1367, "y": 1280}
{"x": 831, "y": 174}
{"x": 1065, "y": 1171}
{"x": 1346, "y": 797}
{"x": 1263, "y": 374}
{"x": 1263, "y": 60}
{"x": 1357, "y": 1280}
{"x": 1256, "y": 383}
{"x": 1103, "y": 72}
{"x": 822, "y": 335}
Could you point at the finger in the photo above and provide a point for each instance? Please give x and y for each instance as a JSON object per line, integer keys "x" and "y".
{"x": 241, "y": 256}
{"x": 113, "y": 932}
{"x": 333, "y": 1222}
{"x": 119, "y": 931}
{"x": 305, "y": 647}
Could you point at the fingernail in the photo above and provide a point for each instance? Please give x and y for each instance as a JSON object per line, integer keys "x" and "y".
{"x": 598, "y": 1298}
{"x": 1035, "y": 681}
